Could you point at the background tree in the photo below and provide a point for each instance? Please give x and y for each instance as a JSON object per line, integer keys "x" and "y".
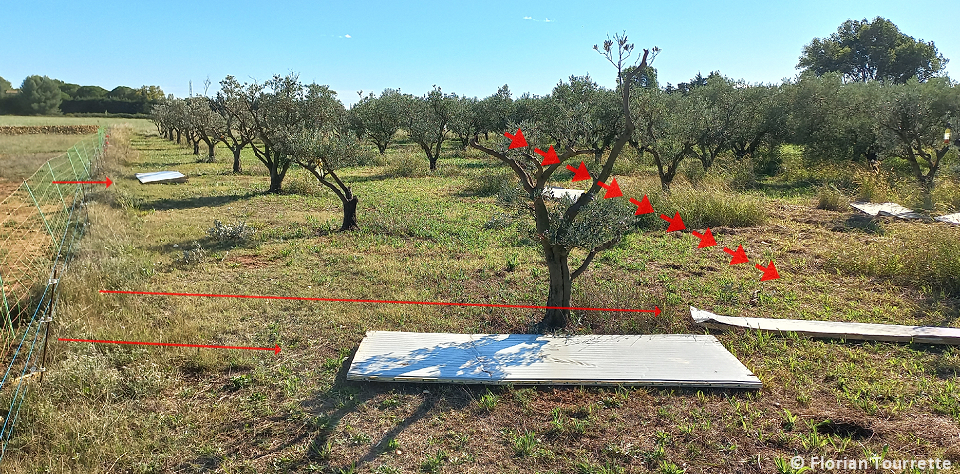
{"x": 496, "y": 112}
{"x": 381, "y": 117}
{"x": 68, "y": 91}
{"x": 5, "y": 85}
{"x": 320, "y": 142}
{"x": 238, "y": 126}
{"x": 40, "y": 95}
{"x": 662, "y": 129}
{"x": 465, "y": 121}
{"x": 835, "y": 122}
{"x": 123, "y": 93}
{"x": 580, "y": 108}
{"x": 584, "y": 223}
{"x": 426, "y": 122}
{"x": 150, "y": 94}
{"x": 872, "y": 50}
{"x": 208, "y": 126}
{"x": 914, "y": 115}
{"x": 90, "y": 92}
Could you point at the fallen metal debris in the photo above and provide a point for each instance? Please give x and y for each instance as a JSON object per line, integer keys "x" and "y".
{"x": 559, "y": 193}
{"x": 887, "y": 209}
{"x": 832, "y": 329}
{"x": 681, "y": 360}
{"x": 950, "y": 218}
{"x": 159, "y": 177}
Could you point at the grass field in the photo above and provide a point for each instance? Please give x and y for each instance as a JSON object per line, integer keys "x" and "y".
{"x": 441, "y": 237}
{"x": 140, "y": 125}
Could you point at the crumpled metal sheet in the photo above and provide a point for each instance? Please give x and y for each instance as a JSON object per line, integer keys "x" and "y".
{"x": 161, "y": 177}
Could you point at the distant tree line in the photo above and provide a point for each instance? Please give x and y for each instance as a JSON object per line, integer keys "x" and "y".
{"x": 41, "y": 95}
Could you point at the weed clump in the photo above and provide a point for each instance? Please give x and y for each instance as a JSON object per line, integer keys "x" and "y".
{"x": 830, "y": 198}
{"x": 221, "y": 232}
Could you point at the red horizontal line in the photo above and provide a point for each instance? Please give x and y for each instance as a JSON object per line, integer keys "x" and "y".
{"x": 656, "y": 310}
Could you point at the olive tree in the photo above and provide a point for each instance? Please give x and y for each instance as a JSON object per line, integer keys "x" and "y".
{"x": 238, "y": 126}
{"x": 568, "y": 224}
{"x": 426, "y": 122}
{"x": 273, "y": 108}
{"x": 318, "y": 138}
{"x": 914, "y": 115}
{"x": 465, "y": 118}
{"x": 380, "y": 117}
{"x": 206, "y": 124}
{"x": 662, "y": 130}
{"x": 582, "y": 109}
{"x": 836, "y": 122}
{"x": 496, "y": 111}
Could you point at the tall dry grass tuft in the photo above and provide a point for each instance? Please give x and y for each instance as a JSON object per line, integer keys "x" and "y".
{"x": 711, "y": 204}
{"x": 927, "y": 260}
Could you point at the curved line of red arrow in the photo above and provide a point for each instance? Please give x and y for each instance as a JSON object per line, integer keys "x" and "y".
{"x": 581, "y": 173}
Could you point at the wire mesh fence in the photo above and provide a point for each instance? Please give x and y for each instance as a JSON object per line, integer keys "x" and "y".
{"x": 39, "y": 225}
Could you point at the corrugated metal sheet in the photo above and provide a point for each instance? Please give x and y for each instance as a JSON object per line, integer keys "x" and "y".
{"x": 161, "y": 177}
{"x": 684, "y": 360}
{"x": 950, "y": 218}
{"x": 887, "y": 209}
{"x": 559, "y": 193}
{"x": 833, "y": 329}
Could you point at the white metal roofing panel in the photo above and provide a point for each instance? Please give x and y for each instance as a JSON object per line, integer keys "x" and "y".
{"x": 833, "y": 329}
{"x": 886, "y": 209}
{"x": 161, "y": 177}
{"x": 950, "y": 218}
{"x": 686, "y": 360}
{"x": 559, "y": 193}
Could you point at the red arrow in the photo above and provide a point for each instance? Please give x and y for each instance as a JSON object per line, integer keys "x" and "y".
{"x": 107, "y": 182}
{"x": 675, "y": 224}
{"x": 643, "y": 206}
{"x": 655, "y": 311}
{"x": 706, "y": 238}
{"x": 549, "y": 157}
{"x": 276, "y": 349}
{"x": 739, "y": 256}
{"x": 516, "y": 141}
{"x": 613, "y": 189}
{"x": 581, "y": 173}
{"x": 769, "y": 272}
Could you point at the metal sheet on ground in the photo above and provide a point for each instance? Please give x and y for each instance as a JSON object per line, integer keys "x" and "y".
{"x": 559, "y": 193}
{"x": 886, "y": 209}
{"x": 680, "y": 360}
{"x": 950, "y": 218}
{"x": 833, "y": 329}
{"x": 158, "y": 177}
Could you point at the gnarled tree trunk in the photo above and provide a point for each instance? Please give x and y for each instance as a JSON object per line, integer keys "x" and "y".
{"x": 236, "y": 160}
{"x": 561, "y": 285}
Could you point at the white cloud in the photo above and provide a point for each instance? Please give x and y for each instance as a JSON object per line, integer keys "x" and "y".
{"x": 528, "y": 18}
{"x": 347, "y": 36}
{"x": 547, "y": 20}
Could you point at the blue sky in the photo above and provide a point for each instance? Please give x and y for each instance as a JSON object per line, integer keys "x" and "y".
{"x": 469, "y": 48}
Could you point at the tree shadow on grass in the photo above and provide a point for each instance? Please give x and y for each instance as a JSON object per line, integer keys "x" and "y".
{"x": 168, "y": 204}
{"x": 329, "y": 407}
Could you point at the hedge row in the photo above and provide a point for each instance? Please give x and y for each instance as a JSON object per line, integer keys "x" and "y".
{"x": 54, "y": 129}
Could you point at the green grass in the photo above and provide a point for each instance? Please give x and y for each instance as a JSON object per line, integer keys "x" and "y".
{"x": 118, "y": 408}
